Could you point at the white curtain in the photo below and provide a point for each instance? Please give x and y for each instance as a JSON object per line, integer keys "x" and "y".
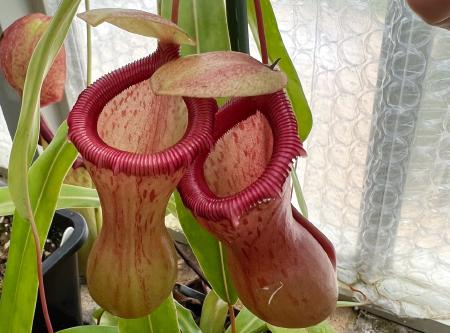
{"x": 5, "y": 143}
{"x": 377, "y": 178}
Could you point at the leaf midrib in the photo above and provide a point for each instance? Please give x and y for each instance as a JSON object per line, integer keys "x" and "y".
{"x": 38, "y": 202}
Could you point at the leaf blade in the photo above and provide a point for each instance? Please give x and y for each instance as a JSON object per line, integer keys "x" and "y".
{"x": 91, "y": 329}
{"x": 185, "y": 320}
{"x": 20, "y": 282}
{"x": 208, "y": 252}
{"x": 247, "y": 322}
{"x": 26, "y": 137}
{"x": 299, "y": 194}
{"x": 71, "y": 196}
{"x": 162, "y": 319}
{"x": 323, "y": 327}
{"x": 276, "y": 49}
{"x": 204, "y": 19}
{"x": 214, "y": 313}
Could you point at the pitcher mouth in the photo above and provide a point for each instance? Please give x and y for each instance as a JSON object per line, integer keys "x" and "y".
{"x": 276, "y": 109}
{"x": 85, "y": 114}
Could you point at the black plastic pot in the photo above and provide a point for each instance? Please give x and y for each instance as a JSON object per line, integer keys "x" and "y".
{"x": 62, "y": 285}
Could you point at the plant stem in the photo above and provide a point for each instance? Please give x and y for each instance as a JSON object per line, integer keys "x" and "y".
{"x": 40, "y": 275}
{"x": 232, "y": 318}
{"x": 87, "y": 6}
{"x": 261, "y": 33}
{"x": 238, "y": 25}
{"x": 175, "y": 8}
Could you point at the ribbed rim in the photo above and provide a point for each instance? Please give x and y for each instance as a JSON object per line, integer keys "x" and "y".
{"x": 83, "y": 119}
{"x": 286, "y": 147}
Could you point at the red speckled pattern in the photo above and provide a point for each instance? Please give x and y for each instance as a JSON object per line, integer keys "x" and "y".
{"x": 136, "y": 147}
{"x": 286, "y": 146}
{"x": 282, "y": 267}
{"x": 126, "y": 124}
{"x": 132, "y": 266}
{"x": 16, "y": 47}
{"x": 249, "y": 143}
{"x": 281, "y": 273}
{"x": 83, "y": 119}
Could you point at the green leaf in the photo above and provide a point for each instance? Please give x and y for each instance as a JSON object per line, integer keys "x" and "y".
{"x": 171, "y": 206}
{"x": 185, "y": 320}
{"x": 274, "y": 329}
{"x": 104, "y": 318}
{"x": 209, "y": 253}
{"x": 323, "y": 327}
{"x": 91, "y": 329}
{"x": 276, "y": 49}
{"x": 214, "y": 313}
{"x": 347, "y": 304}
{"x": 20, "y": 282}
{"x": 299, "y": 194}
{"x": 247, "y": 322}
{"x": 204, "y": 20}
{"x": 163, "y": 319}
{"x": 26, "y": 137}
{"x": 70, "y": 197}
{"x": 78, "y": 197}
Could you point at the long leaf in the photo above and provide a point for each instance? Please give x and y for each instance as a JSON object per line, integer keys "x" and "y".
{"x": 26, "y": 137}
{"x": 70, "y": 197}
{"x": 274, "y": 329}
{"x": 209, "y": 253}
{"x": 91, "y": 329}
{"x": 78, "y": 197}
{"x": 20, "y": 284}
{"x": 348, "y": 304}
{"x": 247, "y": 322}
{"x": 214, "y": 313}
{"x": 185, "y": 320}
{"x": 204, "y": 20}
{"x": 104, "y": 318}
{"x": 323, "y": 327}
{"x": 299, "y": 194}
{"x": 163, "y": 319}
{"x": 276, "y": 49}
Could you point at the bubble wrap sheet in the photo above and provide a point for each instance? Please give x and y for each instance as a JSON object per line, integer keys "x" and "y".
{"x": 377, "y": 178}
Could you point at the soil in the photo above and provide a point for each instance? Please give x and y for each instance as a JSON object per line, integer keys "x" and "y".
{"x": 52, "y": 243}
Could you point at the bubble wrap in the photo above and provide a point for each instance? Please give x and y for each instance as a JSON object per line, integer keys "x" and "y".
{"x": 377, "y": 178}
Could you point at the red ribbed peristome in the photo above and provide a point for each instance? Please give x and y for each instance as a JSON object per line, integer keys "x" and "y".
{"x": 286, "y": 147}
{"x": 83, "y": 119}
{"x": 282, "y": 267}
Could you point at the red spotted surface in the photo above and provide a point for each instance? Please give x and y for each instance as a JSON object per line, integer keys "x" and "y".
{"x": 16, "y": 47}
{"x": 132, "y": 266}
{"x": 137, "y": 147}
{"x": 282, "y": 266}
